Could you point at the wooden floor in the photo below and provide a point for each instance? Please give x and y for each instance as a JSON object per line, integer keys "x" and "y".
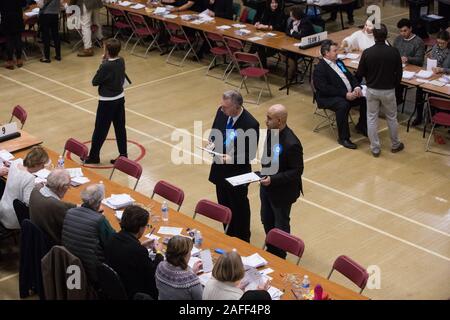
{"x": 392, "y": 212}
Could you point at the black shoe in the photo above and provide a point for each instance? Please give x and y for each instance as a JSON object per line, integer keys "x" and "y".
{"x": 44, "y": 60}
{"x": 347, "y": 144}
{"x": 92, "y": 161}
{"x": 400, "y": 147}
{"x": 417, "y": 121}
{"x": 58, "y": 58}
{"x": 112, "y": 161}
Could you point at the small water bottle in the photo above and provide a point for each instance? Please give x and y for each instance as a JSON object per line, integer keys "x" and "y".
{"x": 165, "y": 211}
{"x": 198, "y": 239}
{"x": 60, "y": 164}
{"x": 305, "y": 285}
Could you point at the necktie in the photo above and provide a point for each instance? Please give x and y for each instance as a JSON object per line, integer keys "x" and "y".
{"x": 230, "y": 123}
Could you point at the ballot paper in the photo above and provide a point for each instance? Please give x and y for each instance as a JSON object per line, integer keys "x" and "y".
{"x": 243, "y": 179}
{"x": 5, "y": 155}
{"x": 242, "y": 32}
{"x": 207, "y": 262}
{"x": 266, "y": 271}
{"x": 252, "y": 279}
{"x": 118, "y": 214}
{"x": 117, "y": 201}
{"x": 275, "y": 293}
{"x": 43, "y": 173}
{"x": 444, "y": 79}
{"x": 187, "y": 17}
{"x": 351, "y": 56}
{"x": 78, "y": 181}
{"x": 408, "y": 75}
{"x": 238, "y": 25}
{"x": 38, "y": 180}
{"x": 75, "y": 172}
{"x": 254, "y": 261}
{"x": 431, "y": 63}
{"x": 171, "y": 231}
{"x": 364, "y": 90}
{"x": 31, "y": 14}
{"x": 193, "y": 261}
{"x": 160, "y": 10}
{"x": 437, "y": 83}
{"x": 152, "y": 236}
{"x": 354, "y": 62}
{"x": 224, "y": 27}
{"x": 424, "y": 74}
{"x": 124, "y": 3}
{"x": 170, "y": 16}
{"x": 204, "y": 278}
{"x": 254, "y": 38}
{"x": 422, "y": 80}
{"x": 138, "y": 6}
{"x": 195, "y": 251}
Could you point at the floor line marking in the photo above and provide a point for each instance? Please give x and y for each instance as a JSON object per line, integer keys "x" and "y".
{"x": 9, "y": 277}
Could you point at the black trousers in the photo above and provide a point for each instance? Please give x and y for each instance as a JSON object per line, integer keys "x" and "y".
{"x": 236, "y": 199}
{"x": 274, "y": 216}
{"x": 341, "y": 107}
{"x": 348, "y": 8}
{"x": 14, "y": 45}
{"x": 109, "y": 112}
{"x": 49, "y": 26}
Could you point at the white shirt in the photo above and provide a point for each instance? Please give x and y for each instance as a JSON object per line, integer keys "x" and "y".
{"x": 218, "y": 290}
{"x": 19, "y": 185}
{"x": 360, "y": 40}
{"x": 341, "y": 74}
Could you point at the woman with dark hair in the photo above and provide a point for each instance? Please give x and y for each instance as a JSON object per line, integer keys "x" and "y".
{"x": 11, "y": 12}
{"x": 175, "y": 280}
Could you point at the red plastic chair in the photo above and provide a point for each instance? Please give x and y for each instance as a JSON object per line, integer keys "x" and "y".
{"x": 285, "y": 241}
{"x": 142, "y": 30}
{"x": 218, "y": 48}
{"x": 31, "y": 32}
{"x": 252, "y": 69}
{"x": 20, "y": 113}
{"x": 233, "y": 45}
{"x": 440, "y": 117}
{"x": 121, "y": 23}
{"x": 169, "y": 192}
{"x": 178, "y": 37}
{"x": 77, "y": 148}
{"x": 429, "y": 43}
{"x": 130, "y": 167}
{"x": 352, "y": 270}
{"x": 214, "y": 211}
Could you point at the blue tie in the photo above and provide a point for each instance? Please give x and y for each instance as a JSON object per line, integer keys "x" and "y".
{"x": 230, "y": 124}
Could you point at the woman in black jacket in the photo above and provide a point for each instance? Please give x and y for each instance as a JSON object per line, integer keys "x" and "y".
{"x": 12, "y": 25}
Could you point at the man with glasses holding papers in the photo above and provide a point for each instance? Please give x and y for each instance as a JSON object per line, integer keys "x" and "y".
{"x": 234, "y": 140}
{"x": 282, "y": 169}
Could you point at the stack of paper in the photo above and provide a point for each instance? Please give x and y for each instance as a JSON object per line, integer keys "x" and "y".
{"x": 117, "y": 201}
{"x": 242, "y": 32}
{"x": 138, "y": 6}
{"x": 124, "y": 3}
{"x": 75, "y": 172}
{"x": 243, "y": 179}
{"x": 171, "y": 231}
{"x": 204, "y": 278}
{"x": 424, "y": 74}
{"x": 254, "y": 261}
{"x": 252, "y": 279}
{"x": 224, "y": 27}
{"x": 408, "y": 75}
{"x": 187, "y": 17}
{"x": 78, "y": 181}
{"x": 351, "y": 56}
{"x": 43, "y": 173}
{"x": 5, "y": 155}
{"x": 275, "y": 293}
{"x": 238, "y": 25}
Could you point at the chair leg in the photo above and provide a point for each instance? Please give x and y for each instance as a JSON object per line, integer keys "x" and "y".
{"x": 136, "y": 43}
{"x": 330, "y": 273}
{"x": 210, "y": 65}
{"x": 427, "y": 145}
{"x": 128, "y": 40}
{"x": 404, "y": 100}
{"x": 268, "y": 86}
{"x": 245, "y": 84}
{"x": 170, "y": 53}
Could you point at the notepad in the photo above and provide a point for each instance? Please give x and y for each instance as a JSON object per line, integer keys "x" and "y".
{"x": 5, "y": 155}
{"x": 243, "y": 179}
{"x": 118, "y": 201}
{"x": 171, "y": 231}
{"x": 408, "y": 75}
{"x": 138, "y": 6}
{"x": 254, "y": 261}
{"x": 424, "y": 74}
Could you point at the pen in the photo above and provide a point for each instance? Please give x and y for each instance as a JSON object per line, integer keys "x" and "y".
{"x": 151, "y": 232}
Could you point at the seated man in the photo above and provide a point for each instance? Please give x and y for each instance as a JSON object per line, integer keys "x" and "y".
{"x": 47, "y": 211}
{"x": 339, "y": 90}
{"x": 86, "y": 230}
{"x": 129, "y": 258}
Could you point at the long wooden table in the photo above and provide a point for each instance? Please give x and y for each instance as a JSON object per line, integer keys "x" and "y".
{"x": 212, "y": 238}
{"x": 25, "y": 141}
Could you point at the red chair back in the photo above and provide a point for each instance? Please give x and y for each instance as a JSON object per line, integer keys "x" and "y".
{"x": 286, "y": 241}
{"x": 116, "y": 12}
{"x": 351, "y": 270}
{"x": 137, "y": 18}
{"x": 172, "y": 26}
{"x": 214, "y": 211}
{"x": 76, "y": 147}
{"x": 31, "y": 21}
{"x": 215, "y": 37}
{"x": 169, "y": 192}
{"x": 233, "y": 44}
{"x": 130, "y": 167}
{"x": 440, "y": 103}
{"x": 20, "y": 113}
{"x": 245, "y": 57}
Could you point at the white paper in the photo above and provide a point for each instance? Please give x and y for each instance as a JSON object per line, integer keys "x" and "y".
{"x": 431, "y": 63}
{"x": 16, "y": 162}
{"x": 444, "y": 79}
{"x": 275, "y": 293}
{"x": 224, "y": 27}
{"x": 408, "y": 75}
{"x": 252, "y": 279}
{"x": 204, "y": 278}
{"x": 78, "y": 181}
{"x": 254, "y": 261}
{"x": 36, "y": 10}
{"x": 186, "y": 17}
{"x": 38, "y": 180}
{"x": 207, "y": 262}
{"x": 192, "y": 261}
{"x": 124, "y": 3}
{"x": 424, "y": 74}
{"x": 422, "y": 80}
{"x": 437, "y": 83}
{"x": 31, "y": 14}
{"x": 266, "y": 271}
{"x": 118, "y": 214}
{"x": 242, "y": 32}
{"x": 352, "y": 56}
{"x": 297, "y": 44}
{"x": 434, "y": 16}
{"x": 354, "y": 62}
{"x": 138, "y": 6}
{"x": 117, "y": 201}
{"x": 195, "y": 251}
{"x": 171, "y": 231}
{"x": 43, "y": 173}
{"x": 170, "y": 16}
{"x": 238, "y": 25}
{"x": 75, "y": 172}
{"x": 243, "y": 179}
{"x": 364, "y": 90}
{"x": 152, "y": 236}
{"x": 160, "y": 10}
{"x": 270, "y": 34}
{"x": 254, "y": 38}
{"x": 5, "y": 155}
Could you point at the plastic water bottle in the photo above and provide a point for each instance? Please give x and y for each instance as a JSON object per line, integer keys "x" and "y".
{"x": 60, "y": 164}
{"x": 165, "y": 211}
{"x": 198, "y": 239}
{"x": 305, "y": 285}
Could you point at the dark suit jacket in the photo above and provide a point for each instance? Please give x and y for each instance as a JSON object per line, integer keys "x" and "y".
{"x": 241, "y": 160}
{"x": 304, "y": 29}
{"x": 327, "y": 82}
{"x": 286, "y": 184}
{"x": 130, "y": 260}
{"x": 11, "y": 12}
{"x": 221, "y": 8}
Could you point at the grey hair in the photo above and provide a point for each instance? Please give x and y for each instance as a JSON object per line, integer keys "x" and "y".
{"x": 93, "y": 195}
{"x": 234, "y": 96}
{"x": 58, "y": 179}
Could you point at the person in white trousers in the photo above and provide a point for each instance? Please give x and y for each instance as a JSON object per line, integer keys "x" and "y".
{"x": 89, "y": 17}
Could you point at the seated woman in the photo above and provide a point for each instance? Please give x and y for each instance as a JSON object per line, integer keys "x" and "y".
{"x": 361, "y": 39}
{"x": 272, "y": 19}
{"x": 220, "y": 8}
{"x": 19, "y": 185}
{"x": 175, "y": 280}
{"x": 298, "y": 26}
{"x": 226, "y": 283}
{"x": 441, "y": 53}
